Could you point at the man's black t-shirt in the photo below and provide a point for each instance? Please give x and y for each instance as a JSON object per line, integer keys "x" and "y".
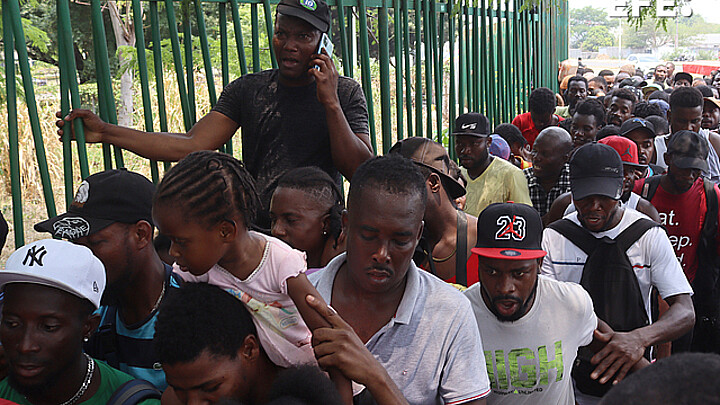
{"x": 285, "y": 127}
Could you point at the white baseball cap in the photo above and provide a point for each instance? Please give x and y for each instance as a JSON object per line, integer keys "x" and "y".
{"x": 58, "y": 264}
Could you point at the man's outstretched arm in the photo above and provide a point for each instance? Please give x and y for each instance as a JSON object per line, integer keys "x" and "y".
{"x": 212, "y": 131}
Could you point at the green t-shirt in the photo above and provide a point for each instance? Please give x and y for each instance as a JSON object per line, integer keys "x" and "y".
{"x": 110, "y": 380}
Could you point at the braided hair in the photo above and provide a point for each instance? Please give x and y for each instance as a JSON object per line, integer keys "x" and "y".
{"x": 211, "y": 187}
{"x": 318, "y": 184}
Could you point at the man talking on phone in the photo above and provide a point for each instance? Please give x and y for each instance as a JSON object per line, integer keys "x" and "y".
{"x": 301, "y": 114}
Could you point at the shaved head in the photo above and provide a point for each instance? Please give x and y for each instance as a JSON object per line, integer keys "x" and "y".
{"x": 557, "y": 136}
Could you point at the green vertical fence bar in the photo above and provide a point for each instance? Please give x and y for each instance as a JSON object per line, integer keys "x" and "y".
{"x": 177, "y": 62}
{"x": 106, "y": 97}
{"x": 137, "y": 11}
{"x": 64, "y": 35}
{"x": 158, "y": 66}
{"x": 23, "y": 60}
{"x": 205, "y": 47}
{"x": 239, "y": 43}
{"x": 365, "y": 69}
{"x": 398, "y": 36}
{"x": 408, "y": 77}
{"x": 13, "y": 138}
{"x": 269, "y": 26}
{"x": 418, "y": 70}
{"x": 452, "y": 100}
{"x": 427, "y": 43}
{"x": 471, "y": 72}
{"x": 480, "y": 54}
{"x": 344, "y": 47}
{"x": 436, "y": 22}
{"x": 189, "y": 66}
{"x": 255, "y": 22}
{"x": 225, "y": 59}
{"x": 67, "y": 137}
{"x": 462, "y": 62}
{"x": 384, "y": 39}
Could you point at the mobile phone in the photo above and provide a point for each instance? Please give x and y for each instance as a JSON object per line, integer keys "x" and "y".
{"x": 327, "y": 45}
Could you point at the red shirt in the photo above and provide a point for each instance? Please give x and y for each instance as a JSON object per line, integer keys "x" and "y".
{"x": 472, "y": 272}
{"x": 683, "y": 216}
{"x": 527, "y": 126}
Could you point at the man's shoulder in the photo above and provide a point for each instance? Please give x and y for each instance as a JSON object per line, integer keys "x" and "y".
{"x": 570, "y": 295}
{"x": 252, "y": 80}
{"x": 347, "y": 83}
{"x": 506, "y": 168}
{"x": 439, "y": 295}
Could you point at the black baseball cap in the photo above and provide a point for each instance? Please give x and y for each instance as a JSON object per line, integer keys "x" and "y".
{"x": 681, "y": 76}
{"x": 428, "y": 153}
{"x": 637, "y": 123}
{"x": 596, "y": 169}
{"x": 510, "y": 231}
{"x": 314, "y": 12}
{"x": 101, "y": 200}
{"x": 473, "y": 124}
{"x": 689, "y": 150}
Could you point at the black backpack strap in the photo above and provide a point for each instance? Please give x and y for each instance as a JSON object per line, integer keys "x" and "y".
{"x": 707, "y": 277}
{"x": 461, "y": 249}
{"x": 575, "y": 234}
{"x": 103, "y": 344}
{"x": 633, "y": 232}
{"x": 710, "y": 224}
{"x": 133, "y": 392}
{"x": 650, "y": 187}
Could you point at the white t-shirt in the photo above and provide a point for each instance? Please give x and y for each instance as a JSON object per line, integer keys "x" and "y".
{"x": 529, "y": 361}
{"x": 652, "y": 257}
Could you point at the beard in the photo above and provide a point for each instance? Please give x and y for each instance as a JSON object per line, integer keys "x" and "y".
{"x": 522, "y": 306}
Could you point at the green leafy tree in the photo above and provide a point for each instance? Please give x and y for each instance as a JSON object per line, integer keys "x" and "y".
{"x": 582, "y": 20}
{"x": 596, "y": 38}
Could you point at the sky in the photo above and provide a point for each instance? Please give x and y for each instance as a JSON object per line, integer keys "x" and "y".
{"x": 706, "y": 8}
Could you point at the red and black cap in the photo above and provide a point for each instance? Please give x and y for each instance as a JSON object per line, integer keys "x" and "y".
{"x": 510, "y": 231}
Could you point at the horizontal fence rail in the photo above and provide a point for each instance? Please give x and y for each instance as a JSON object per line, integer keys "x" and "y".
{"x": 420, "y": 63}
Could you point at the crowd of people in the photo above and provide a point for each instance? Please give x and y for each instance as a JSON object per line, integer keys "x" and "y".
{"x": 570, "y": 256}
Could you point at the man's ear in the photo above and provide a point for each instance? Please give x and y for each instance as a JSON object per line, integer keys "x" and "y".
{"x": 143, "y": 233}
{"x": 250, "y": 349}
{"x": 91, "y": 324}
{"x": 434, "y": 182}
{"x": 668, "y": 159}
{"x": 669, "y": 118}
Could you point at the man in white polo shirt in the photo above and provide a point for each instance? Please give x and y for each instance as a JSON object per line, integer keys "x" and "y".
{"x": 531, "y": 325}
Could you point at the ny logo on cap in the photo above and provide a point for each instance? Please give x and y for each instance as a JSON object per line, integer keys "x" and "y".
{"x": 471, "y": 125}
{"x": 510, "y": 228}
{"x": 34, "y": 255}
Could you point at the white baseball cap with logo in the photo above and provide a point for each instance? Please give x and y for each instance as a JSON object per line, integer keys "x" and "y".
{"x": 58, "y": 264}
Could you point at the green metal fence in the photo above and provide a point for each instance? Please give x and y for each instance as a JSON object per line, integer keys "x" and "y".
{"x": 434, "y": 60}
